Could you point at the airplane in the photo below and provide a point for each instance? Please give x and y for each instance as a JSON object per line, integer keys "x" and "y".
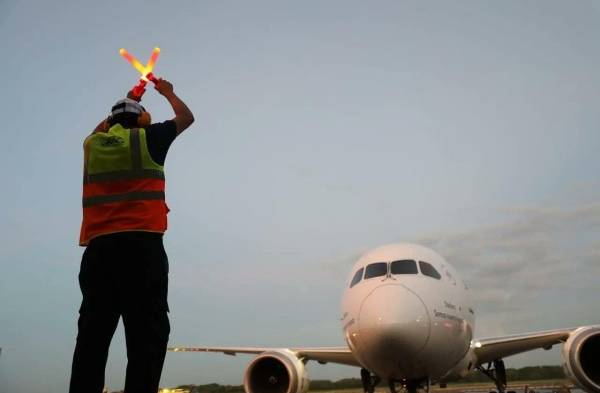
{"x": 408, "y": 318}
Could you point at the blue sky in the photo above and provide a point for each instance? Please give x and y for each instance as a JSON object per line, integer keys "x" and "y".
{"x": 322, "y": 129}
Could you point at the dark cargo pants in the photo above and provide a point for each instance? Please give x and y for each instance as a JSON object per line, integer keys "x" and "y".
{"x": 122, "y": 275}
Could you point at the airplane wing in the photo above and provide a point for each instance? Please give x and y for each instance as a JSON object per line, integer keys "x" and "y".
{"x": 341, "y": 355}
{"x": 486, "y": 349}
{"x": 489, "y": 349}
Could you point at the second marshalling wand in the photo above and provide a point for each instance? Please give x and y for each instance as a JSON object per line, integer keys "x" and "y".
{"x": 146, "y": 71}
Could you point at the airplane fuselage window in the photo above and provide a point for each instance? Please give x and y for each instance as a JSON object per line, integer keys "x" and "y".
{"x": 376, "y": 270}
{"x": 407, "y": 266}
{"x": 357, "y": 277}
{"x": 429, "y": 270}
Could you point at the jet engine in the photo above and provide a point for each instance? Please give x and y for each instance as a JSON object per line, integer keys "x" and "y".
{"x": 581, "y": 358}
{"x": 277, "y": 371}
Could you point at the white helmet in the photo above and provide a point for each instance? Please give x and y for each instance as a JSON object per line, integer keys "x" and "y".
{"x": 127, "y": 105}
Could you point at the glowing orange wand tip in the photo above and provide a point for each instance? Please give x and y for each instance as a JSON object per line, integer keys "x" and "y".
{"x": 133, "y": 61}
{"x": 152, "y": 61}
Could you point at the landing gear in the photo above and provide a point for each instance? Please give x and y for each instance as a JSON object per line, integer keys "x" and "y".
{"x": 411, "y": 386}
{"x": 369, "y": 381}
{"x": 496, "y": 372}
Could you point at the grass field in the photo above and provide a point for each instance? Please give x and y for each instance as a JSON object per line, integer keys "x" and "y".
{"x": 517, "y": 386}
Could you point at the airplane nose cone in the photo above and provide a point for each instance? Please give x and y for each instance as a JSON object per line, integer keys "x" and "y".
{"x": 393, "y": 323}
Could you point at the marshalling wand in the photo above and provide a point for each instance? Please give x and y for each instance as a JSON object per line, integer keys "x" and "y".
{"x": 146, "y": 71}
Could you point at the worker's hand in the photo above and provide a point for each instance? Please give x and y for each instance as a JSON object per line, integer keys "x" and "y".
{"x": 131, "y": 95}
{"x": 164, "y": 87}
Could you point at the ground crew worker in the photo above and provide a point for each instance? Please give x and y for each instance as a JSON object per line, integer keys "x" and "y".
{"x": 124, "y": 266}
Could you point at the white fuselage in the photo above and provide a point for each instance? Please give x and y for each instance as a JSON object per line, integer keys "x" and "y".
{"x": 405, "y": 321}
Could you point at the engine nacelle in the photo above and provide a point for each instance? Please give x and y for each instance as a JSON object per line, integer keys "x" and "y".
{"x": 277, "y": 371}
{"x": 581, "y": 358}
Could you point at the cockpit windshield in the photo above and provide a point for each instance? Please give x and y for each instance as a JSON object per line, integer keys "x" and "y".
{"x": 357, "y": 277}
{"x": 406, "y": 266}
{"x": 429, "y": 270}
{"x": 376, "y": 269}
{"x": 402, "y": 266}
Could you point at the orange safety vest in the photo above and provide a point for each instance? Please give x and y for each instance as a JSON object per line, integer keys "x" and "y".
{"x": 123, "y": 188}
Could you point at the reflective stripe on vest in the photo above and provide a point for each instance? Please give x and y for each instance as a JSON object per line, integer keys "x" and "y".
{"x": 124, "y": 175}
{"x": 123, "y": 188}
{"x": 130, "y": 196}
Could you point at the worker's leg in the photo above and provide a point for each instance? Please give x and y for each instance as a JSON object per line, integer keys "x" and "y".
{"x": 98, "y": 318}
{"x": 145, "y": 315}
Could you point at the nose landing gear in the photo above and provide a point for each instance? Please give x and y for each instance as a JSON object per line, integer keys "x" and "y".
{"x": 369, "y": 381}
{"x": 410, "y": 386}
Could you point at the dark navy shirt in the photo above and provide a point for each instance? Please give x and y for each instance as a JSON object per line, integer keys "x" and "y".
{"x": 159, "y": 137}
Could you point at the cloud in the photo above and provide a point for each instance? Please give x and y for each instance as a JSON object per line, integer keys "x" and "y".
{"x": 530, "y": 258}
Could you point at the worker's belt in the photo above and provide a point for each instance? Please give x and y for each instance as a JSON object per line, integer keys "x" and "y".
{"x": 130, "y": 196}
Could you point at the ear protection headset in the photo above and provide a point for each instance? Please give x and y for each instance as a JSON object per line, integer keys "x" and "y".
{"x": 127, "y": 105}
{"x": 144, "y": 119}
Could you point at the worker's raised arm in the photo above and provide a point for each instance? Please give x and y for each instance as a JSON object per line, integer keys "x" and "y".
{"x": 183, "y": 116}
{"x": 102, "y": 126}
